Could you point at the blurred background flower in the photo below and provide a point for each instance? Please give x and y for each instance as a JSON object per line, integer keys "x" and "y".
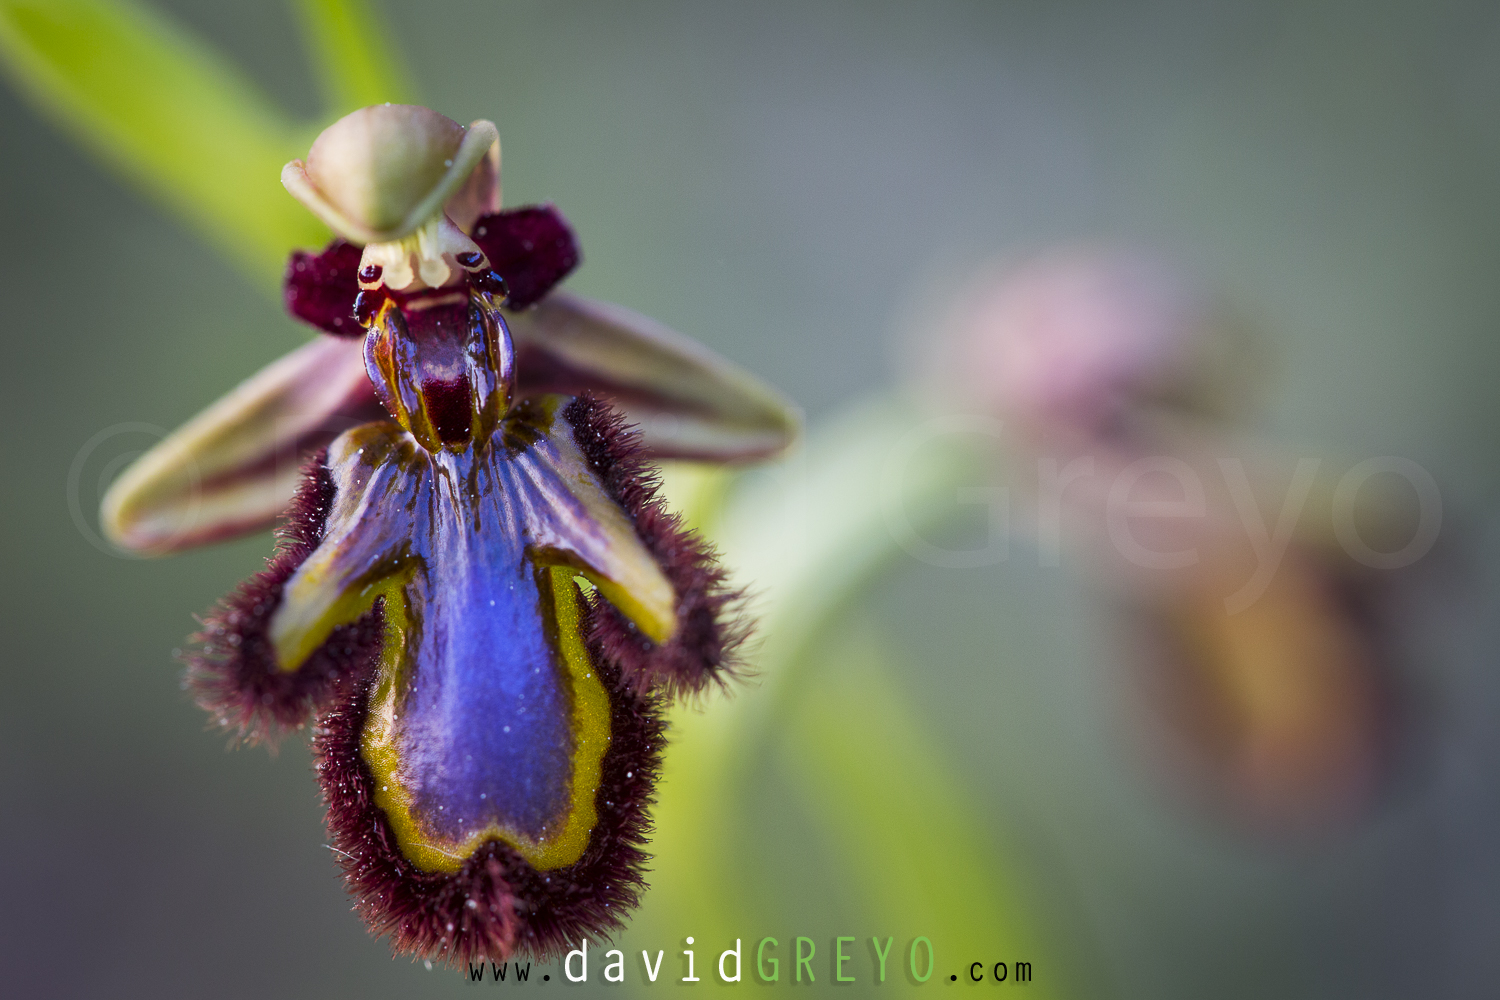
{"x": 1261, "y": 642}
{"x": 941, "y": 740}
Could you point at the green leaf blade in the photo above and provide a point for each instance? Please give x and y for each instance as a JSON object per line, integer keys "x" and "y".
{"x": 159, "y": 105}
{"x": 355, "y": 62}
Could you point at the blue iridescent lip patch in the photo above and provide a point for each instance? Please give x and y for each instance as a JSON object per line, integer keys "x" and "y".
{"x": 477, "y": 598}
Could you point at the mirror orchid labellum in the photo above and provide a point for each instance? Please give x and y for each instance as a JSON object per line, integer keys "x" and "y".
{"x": 477, "y": 595}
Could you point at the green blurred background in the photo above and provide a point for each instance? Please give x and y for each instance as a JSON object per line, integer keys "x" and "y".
{"x": 788, "y": 182}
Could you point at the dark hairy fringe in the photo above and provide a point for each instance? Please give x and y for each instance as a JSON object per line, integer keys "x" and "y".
{"x": 497, "y": 906}
{"x": 710, "y": 624}
{"x": 233, "y": 673}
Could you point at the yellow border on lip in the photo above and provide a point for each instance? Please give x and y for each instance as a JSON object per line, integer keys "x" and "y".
{"x": 591, "y": 737}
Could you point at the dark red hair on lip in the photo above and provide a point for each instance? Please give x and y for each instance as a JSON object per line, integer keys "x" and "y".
{"x": 497, "y": 905}
{"x": 709, "y": 627}
{"x": 233, "y": 672}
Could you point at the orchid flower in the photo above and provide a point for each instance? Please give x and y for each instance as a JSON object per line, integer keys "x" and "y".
{"x": 1268, "y": 674}
{"x": 477, "y": 594}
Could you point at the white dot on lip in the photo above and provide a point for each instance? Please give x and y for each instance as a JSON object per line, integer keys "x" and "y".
{"x": 630, "y": 774}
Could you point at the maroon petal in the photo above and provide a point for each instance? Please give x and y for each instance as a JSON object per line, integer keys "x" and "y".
{"x": 708, "y": 628}
{"x": 320, "y": 288}
{"x": 532, "y": 248}
{"x": 234, "y": 673}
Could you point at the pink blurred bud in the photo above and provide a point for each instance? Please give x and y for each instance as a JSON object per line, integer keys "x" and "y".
{"x": 1074, "y": 337}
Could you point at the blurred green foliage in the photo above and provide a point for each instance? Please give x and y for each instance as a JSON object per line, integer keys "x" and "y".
{"x": 164, "y": 109}
{"x": 822, "y": 707}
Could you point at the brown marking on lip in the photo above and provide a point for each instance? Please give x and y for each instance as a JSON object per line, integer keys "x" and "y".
{"x": 450, "y": 408}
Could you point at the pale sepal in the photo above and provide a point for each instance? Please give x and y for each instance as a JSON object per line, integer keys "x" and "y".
{"x": 687, "y": 401}
{"x": 233, "y": 468}
{"x": 380, "y": 173}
